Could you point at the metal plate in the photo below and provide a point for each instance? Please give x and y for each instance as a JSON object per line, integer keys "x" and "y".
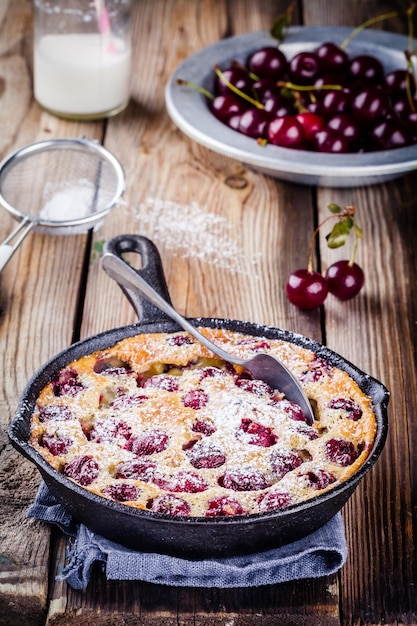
{"x": 189, "y": 111}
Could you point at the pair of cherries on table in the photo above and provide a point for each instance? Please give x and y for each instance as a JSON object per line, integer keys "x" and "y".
{"x": 308, "y": 289}
{"x": 320, "y": 100}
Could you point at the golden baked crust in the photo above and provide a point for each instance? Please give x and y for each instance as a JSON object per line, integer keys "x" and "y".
{"x": 158, "y": 423}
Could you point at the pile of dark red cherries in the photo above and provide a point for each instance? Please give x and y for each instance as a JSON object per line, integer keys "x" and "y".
{"x": 320, "y": 100}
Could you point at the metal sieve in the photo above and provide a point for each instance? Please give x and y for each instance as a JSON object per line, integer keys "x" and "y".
{"x": 60, "y": 187}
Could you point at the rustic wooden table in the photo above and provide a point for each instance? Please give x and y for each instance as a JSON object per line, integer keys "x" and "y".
{"x": 54, "y": 292}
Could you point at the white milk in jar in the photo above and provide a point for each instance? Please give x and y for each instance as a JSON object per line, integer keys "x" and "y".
{"x": 76, "y": 74}
{"x": 83, "y": 74}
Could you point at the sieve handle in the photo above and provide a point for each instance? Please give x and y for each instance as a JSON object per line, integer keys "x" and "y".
{"x": 8, "y": 248}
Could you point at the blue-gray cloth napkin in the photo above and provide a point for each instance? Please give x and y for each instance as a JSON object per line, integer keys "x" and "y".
{"x": 321, "y": 553}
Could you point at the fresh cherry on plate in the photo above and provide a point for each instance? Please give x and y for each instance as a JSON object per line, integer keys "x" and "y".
{"x": 327, "y": 81}
{"x": 286, "y": 132}
{"x": 332, "y": 57}
{"x": 311, "y": 124}
{"x": 268, "y": 62}
{"x": 254, "y": 123}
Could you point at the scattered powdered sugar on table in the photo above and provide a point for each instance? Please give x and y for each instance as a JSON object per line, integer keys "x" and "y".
{"x": 194, "y": 233}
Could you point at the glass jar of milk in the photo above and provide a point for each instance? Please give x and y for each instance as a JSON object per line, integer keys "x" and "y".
{"x": 82, "y": 57}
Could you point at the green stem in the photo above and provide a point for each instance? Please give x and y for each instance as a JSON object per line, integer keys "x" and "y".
{"x": 311, "y": 246}
{"x": 189, "y": 83}
{"x": 289, "y": 85}
{"x": 251, "y": 75}
{"x": 410, "y": 12}
{"x": 237, "y": 91}
{"x": 355, "y": 247}
{"x": 348, "y": 211}
{"x": 371, "y": 22}
{"x": 310, "y": 251}
{"x": 409, "y": 56}
{"x": 410, "y": 78}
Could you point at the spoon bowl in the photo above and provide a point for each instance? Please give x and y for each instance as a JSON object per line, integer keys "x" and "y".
{"x": 262, "y": 366}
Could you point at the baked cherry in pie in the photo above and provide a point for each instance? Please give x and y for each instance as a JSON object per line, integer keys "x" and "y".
{"x": 158, "y": 423}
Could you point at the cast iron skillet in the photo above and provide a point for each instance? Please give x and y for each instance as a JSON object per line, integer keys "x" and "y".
{"x": 187, "y": 536}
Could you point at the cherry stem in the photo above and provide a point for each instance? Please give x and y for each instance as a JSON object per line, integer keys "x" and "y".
{"x": 189, "y": 83}
{"x": 349, "y": 211}
{"x": 281, "y": 22}
{"x": 409, "y": 54}
{"x": 251, "y": 75}
{"x": 410, "y": 78}
{"x": 355, "y": 247}
{"x": 311, "y": 248}
{"x": 298, "y": 103}
{"x": 289, "y": 85}
{"x": 410, "y": 12}
{"x": 237, "y": 91}
{"x": 370, "y": 22}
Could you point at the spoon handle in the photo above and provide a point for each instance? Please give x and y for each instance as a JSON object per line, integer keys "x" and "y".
{"x": 126, "y": 276}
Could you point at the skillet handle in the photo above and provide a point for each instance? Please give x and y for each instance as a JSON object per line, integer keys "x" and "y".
{"x": 151, "y": 271}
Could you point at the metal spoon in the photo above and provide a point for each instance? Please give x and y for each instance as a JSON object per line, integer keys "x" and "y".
{"x": 262, "y": 366}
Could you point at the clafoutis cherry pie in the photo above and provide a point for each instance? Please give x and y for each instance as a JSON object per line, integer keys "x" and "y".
{"x": 158, "y": 423}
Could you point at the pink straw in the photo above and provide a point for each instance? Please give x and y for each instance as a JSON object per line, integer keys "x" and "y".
{"x": 104, "y": 23}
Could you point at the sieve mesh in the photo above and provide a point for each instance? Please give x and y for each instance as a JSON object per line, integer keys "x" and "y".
{"x": 60, "y": 182}
{"x": 60, "y": 187}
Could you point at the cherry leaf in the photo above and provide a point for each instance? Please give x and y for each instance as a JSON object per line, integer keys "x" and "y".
{"x": 339, "y": 234}
{"x": 280, "y": 23}
{"x": 334, "y": 208}
{"x": 348, "y": 221}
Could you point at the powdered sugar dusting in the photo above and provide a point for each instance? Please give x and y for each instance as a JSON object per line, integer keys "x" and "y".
{"x": 192, "y": 232}
{"x": 228, "y": 445}
{"x": 69, "y": 202}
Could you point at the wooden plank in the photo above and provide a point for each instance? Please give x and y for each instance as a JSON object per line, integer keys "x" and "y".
{"x": 116, "y": 603}
{"x": 375, "y": 331}
{"x": 37, "y": 321}
{"x": 354, "y": 13}
{"x": 381, "y": 320}
{"x": 260, "y": 217}
{"x": 257, "y": 217}
{"x": 378, "y": 581}
{"x": 15, "y": 78}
